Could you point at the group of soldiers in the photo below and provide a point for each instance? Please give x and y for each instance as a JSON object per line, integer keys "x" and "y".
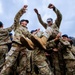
{"x": 36, "y": 52}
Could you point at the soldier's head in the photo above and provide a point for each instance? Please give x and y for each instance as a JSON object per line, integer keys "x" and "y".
{"x": 1, "y": 24}
{"x": 49, "y": 21}
{"x": 65, "y": 37}
{"x": 24, "y": 22}
{"x": 32, "y": 31}
{"x": 35, "y": 31}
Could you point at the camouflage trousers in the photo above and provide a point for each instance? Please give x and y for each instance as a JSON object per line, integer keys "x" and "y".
{"x": 70, "y": 65}
{"x": 39, "y": 59}
{"x": 3, "y": 51}
{"x": 29, "y": 60}
{"x": 11, "y": 58}
{"x": 22, "y": 62}
{"x": 55, "y": 63}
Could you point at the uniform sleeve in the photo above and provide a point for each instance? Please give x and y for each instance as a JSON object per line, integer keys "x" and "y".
{"x": 9, "y": 29}
{"x": 26, "y": 33}
{"x": 73, "y": 50}
{"x": 65, "y": 43}
{"x": 41, "y": 21}
{"x": 17, "y": 18}
{"x": 59, "y": 17}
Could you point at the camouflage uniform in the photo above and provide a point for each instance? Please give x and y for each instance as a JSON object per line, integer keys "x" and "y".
{"x": 4, "y": 42}
{"x": 52, "y": 30}
{"x": 67, "y": 63}
{"x": 3, "y": 51}
{"x": 22, "y": 62}
{"x": 39, "y": 59}
{"x": 54, "y": 57}
{"x": 69, "y": 58}
{"x": 70, "y": 61}
{"x": 29, "y": 60}
{"x": 16, "y": 47}
{"x": 73, "y": 52}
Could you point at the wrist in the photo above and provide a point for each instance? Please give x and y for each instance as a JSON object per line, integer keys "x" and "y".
{"x": 54, "y": 8}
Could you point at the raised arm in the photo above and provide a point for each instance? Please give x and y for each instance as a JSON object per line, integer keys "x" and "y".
{"x": 59, "y": 15}
{"x": 18, "y": 15}
{"x": 9, "y": 29}
{"x": 40, "y": 19}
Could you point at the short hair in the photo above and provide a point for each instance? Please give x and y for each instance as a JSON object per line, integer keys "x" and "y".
{"x": 24, "y": 20}
{"x": 1, "y": 24}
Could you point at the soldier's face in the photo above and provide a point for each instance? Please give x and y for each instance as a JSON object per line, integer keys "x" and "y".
{"x": 65, "y": 38}
{"x": 24, "y": 23}
{"x": 49, "y": 23}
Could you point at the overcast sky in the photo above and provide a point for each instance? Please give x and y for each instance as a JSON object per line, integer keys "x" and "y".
{"x": 9, "y": 8}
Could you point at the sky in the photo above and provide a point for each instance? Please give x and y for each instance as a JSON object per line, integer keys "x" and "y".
{"x": 9, "y": 8}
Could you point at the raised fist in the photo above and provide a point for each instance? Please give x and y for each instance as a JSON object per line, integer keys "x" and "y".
{"x": 51, "y": 6}
{"x": 36, "y": 11}
{"x": 25, "y": 6}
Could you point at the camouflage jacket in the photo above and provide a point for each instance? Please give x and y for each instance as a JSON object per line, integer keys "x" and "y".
{"x": 62, "y": 45}
{"x": 4, "y": 35}
{"x": 73, "y": 50}
{"x": 67, "y": 53}
{"x": 18, "y": 29}
{"x": 55, "y": 25}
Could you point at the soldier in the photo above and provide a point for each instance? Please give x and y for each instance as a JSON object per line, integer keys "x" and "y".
{"x": 4, "y": 42}
{"x": 52, "y": 29}
{"x": 65, "y": 63}
{"x": 53, "y": 55}
{"x": 39, "y": 59}
{"x": 37, "y": 32}
{"x": 20, "y": 29}
{"x": 69, "y": 57}
{"x": 73, "y": 52}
